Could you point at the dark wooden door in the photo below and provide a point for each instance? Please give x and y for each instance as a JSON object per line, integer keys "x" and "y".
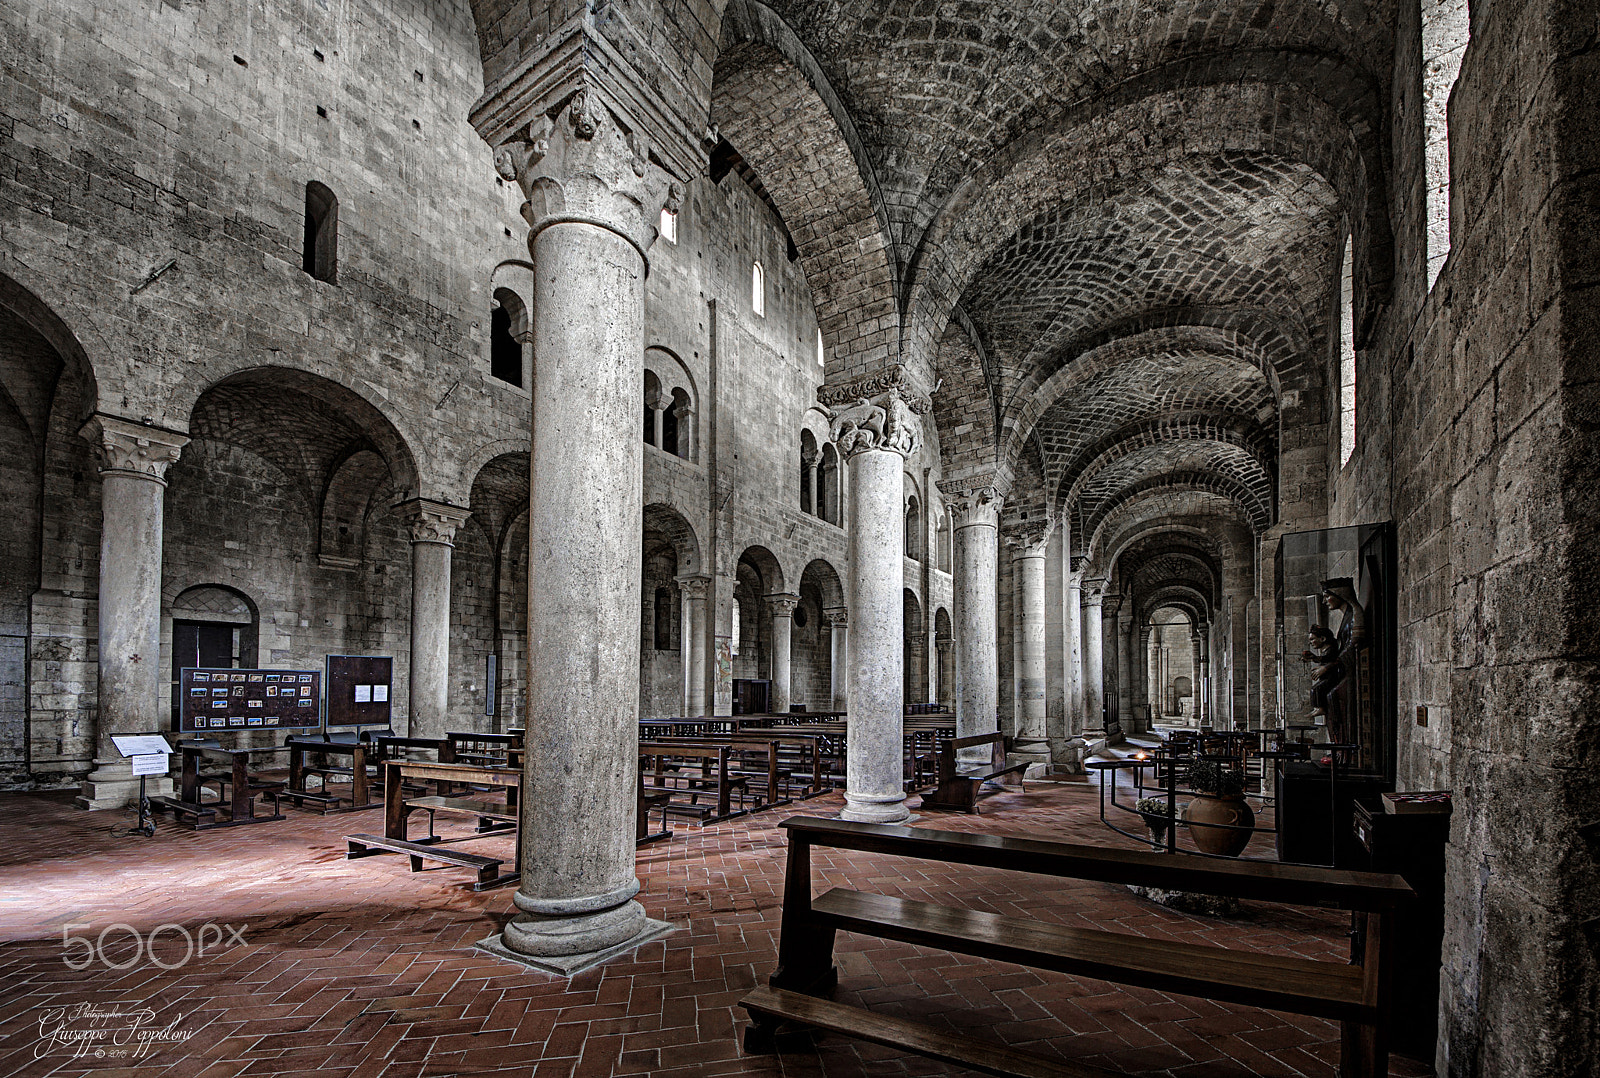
{"x": 199, "y": 643}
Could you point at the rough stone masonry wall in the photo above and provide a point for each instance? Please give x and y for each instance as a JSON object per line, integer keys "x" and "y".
{"x": 1483, "y": 396}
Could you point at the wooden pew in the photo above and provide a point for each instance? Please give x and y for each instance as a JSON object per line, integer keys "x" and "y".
{"x": 1356, "y": 996}
{"x": 299, "y": 770}
{"x": 959, "y": 783}
{"x": 492, "y": 818}
{"x": 706, "y": 755}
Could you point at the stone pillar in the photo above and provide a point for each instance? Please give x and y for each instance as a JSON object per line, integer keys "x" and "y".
{"x": 1125, "y": 678}
{"x": 839, "y": 657}
{"x": 593, "y": 201}
{"x": 693, "y": 591}
{"x": 1194, "y": 675}
{"x": 782, "y": 608}
{"x": 812, "y": 505}
{"x": 1239, "y": 644}
{"x": 1027, "y": 565}
{"x": 945, "y": 647}
{"x": 874, "y": 423}
{"x": 1138, "y": 675}
{"x": 658, "y": 412}
{"x": 975, "y": 513}
{"x": 687, "y": 449}
{"x": 134, "y": 459}
{"x": 1110, "y": 672}
{"x": 1093, "y": 656}
{"x": 433, "y": 531}
{"x": 1076, "y": 723}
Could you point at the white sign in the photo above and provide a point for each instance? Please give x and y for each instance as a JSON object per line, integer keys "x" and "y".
{"x": 141, "y": 744}
{"x": 153, "y": 764}
{"x": 380, "y": 694}
{"x": 363, "y": 694}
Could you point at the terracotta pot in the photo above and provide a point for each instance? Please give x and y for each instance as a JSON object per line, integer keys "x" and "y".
{"x": 1205, "y": 809}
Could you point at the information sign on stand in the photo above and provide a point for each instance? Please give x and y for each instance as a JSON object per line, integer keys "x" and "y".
{"x": 359, "y": 690}
{"x": 148, "y": 753}
{"x": 243, "y": 700}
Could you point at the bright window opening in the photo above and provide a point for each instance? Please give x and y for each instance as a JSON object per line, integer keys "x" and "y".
{"x": 820, "y": 361}
{"x": 669, "y": 226}
{"x": 1445, "y": 31}
{"x": 1347, "y": 359}
{"x": 758, "y": 290}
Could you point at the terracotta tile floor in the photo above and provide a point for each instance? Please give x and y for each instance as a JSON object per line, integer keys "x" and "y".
{"x": 360, "y": 969}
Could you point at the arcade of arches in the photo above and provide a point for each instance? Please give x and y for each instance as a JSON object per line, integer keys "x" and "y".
{"x": 598, "y": 361}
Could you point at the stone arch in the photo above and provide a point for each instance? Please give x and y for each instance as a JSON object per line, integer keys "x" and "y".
{"x": 1234, "y": 491}
{"x": 26, "y": 305}
{"x": 766, "y": 566}
{"x": 1179, "y": 111}
{"x": 347, "y": 502}
{"x": 1196, "y": 502}
{"x": 670, "y": 523}
{"x": 670, "y": 388}
{"x": 820, "y": 571}
{"x": 325, "y": 417}
{"x": 1254, "y": 463}
{"x": 768, "y": 97}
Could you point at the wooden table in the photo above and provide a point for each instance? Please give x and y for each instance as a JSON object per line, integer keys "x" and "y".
{"x": 241, "y": 804}
{"x": 360, "y": 795}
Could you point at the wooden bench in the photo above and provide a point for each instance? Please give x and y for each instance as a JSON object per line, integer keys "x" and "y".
{"x": 958, "y": 783}
{"x": 653, "y": 758}
{"x": 487, "y": 868}
{"x": 1356, "y": 996}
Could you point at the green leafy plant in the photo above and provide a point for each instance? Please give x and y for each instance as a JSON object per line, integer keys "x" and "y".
{"x": 1216, "y": 779}
{"x": 1153, "y": 806}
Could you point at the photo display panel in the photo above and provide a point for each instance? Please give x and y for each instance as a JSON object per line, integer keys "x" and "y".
{"x": 360, "y": 690}
{"x": 216, "y": 700}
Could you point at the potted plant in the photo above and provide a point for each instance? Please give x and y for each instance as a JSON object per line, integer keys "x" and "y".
{"x": 1157, "y": 815}
{"x": 1219, "y": 814}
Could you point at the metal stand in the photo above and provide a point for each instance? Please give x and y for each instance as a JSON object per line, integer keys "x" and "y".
{"x": 147, "y": 823}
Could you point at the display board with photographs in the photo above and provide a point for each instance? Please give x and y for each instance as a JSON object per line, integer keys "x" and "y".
{"x": 216, "y": 700}
{"x": 359, "y": 690}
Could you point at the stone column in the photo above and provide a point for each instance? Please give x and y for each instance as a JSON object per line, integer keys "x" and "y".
{"x": 1027, "y": 565}
{"x": 658, "y": 412}
{"x": 687, "y": 448}
{"x": 839, "y": 657}
{"x": 945, "y": 647}
{"x": 1194, "y": 674}
{"x": 1239, "y": 642}
{"x": 1093, "y": 656}
{"x": 433, "y": 531}
{"x": 593, "y": 201}
{"x": 133, "y": 465}
{"x": 782, "y": 608}
{"x": 1075, "y": 713}
{"x": 874, "y": 423}
{"x": 975, "y": 513}
{"x": 1110, "y": 671}
{"x": 1124, "y": 637}
{"x": 813, "y": 507}
{"x": 1138, "y": 675}
{"x": 693, "y": 591}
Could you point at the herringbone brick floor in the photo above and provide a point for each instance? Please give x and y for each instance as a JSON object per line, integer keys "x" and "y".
{"x": 361, "y": 969}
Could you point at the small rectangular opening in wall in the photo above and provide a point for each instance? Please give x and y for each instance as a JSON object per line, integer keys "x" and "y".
{"x": 318, "y": 54}
{"x": 322, "y": 112}
{"x": 417, "y": 124}
{"x": 1422, "y": 714}
{"x": 240, "y": 60}
{"x": 418, "y": 74}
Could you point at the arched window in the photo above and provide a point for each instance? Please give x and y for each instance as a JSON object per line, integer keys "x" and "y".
{"x": 820, "y": 360}
{"x": 913, "y": 529}
{"x": 945, "y": 543}
{"x": 669, "y": 226}
{"x": 1445, "y": 31}
{"x": 320, "y": 257}
{"x": 1347, "y": 360}
{"x": 733, "y": 640}
{"x": 808, "y": 472}
{"x": 652, "y": 395}
{"x": 758, "y": 289}
{"x": 507, "y": 318}
{"x": 828, "y": 485}
{"x": 663, "y": 633}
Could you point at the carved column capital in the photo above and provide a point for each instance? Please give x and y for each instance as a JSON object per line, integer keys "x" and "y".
{"x": 838, "y": 617}
{"x": 693, "y": 588}
{"x": 589, "y": 166}
{"x": 1110, "y": 604}
{"x": 1093, "y": 591}
{"x": 133, "y": 448}
{"x": 1032, "y": 542}
{"x": 782, "y": 605}
{"x": 973, "y": 505}
{"x": 433, "y": 522}
{"x": 878, "y": 411}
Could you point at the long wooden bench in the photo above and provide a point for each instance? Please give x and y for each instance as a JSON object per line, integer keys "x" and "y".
{"x": 719, "y": 783}
{"x": 1356, "y": 996}
{"x": 397, "y": 808}
{"x": 958, "y": 783}
{"x": 486, "y": 868}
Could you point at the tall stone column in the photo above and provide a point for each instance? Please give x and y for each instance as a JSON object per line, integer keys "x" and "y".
{"x": 782, "y": 609}
{"x": 1075, "y": 713}
{"x": 975, "y": 514}
{"x": 594, "y": 197}
{"x": 134, "y": 459}
{"x": 839, "y": 657}
{"x": 1194, "y": 677}
{"x": 693, "y": 591}
{"x": 1110, "y": 673}
{"x": 1239, "y": 645}
{"x": 1138, "y": 675}
{"x": 433, "y": 532}
{"x": 1094, "y": 717}
{"x": 1125, "y": 678}
{"x": 1027, "y": 563}
{"x": 874, "y": 423}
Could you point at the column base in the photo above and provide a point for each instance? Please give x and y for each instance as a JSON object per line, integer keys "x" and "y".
{"x": 571, "y": 965}
{"x": 112, "y": 785}
{"x": 1033, "y": 751}
{"x": 862, "y": 810}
